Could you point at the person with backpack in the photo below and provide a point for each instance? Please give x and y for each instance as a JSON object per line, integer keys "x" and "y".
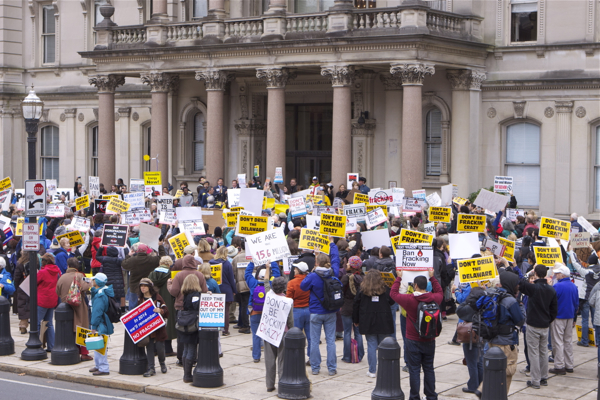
{"x": 591, "y": 274}
{"x": 326, "y": 298}
{"x": 301, "y": 298}
{"x": 188, "y": 340}
{"x": 424, "y": 307}
{"x": 100, "y": 321}
{"x": 351, "y": 282}
{"x": 542, "y": 309}
{"x": 156, "y": 344}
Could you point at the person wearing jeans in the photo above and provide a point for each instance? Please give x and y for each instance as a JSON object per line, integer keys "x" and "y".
{"x": 301, "y": 299}
{"x": 421, "y": 354}
{"x": 47, "y": 279}
{"x": 47, "y": 314}
{"x": 350, "y": 328}
{"x": 327, "y": 322}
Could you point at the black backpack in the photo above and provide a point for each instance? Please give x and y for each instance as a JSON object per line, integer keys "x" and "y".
{"x": 333, "y": 298}
{"x": 429, "y": 320}
{"x": 114, "y": 310}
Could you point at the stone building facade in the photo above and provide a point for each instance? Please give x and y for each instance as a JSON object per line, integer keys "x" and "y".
{"x": 408, "y": 93}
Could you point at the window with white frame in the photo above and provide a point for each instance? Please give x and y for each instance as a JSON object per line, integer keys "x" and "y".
{"x": 94, "y": 151}
{"x": 48, "y": 35}
{"x": 199, "y": 137}
{"x": 597, "y": 169}
{"x": 200, "y": 8}
{"x": 523, "y": 20}
{"x": 49, "y": 143}
{"x": 433, "y": 143}
{"x": 523, "y": 161}
{"x": 311, "y": 6}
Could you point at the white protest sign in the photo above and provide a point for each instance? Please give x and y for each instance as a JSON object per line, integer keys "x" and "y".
{"x": 268, "y": 246}
{"x": 21, "y": 204}
{"x": 419, "y": 194}
{"x": 580, "y": 240}
{"x": 251, "y": 200}
{"x": 194, "y": 227}
{"x": 274, "y": 318}
{"x": 131, "y": 218}
{"x": 297, "y": 206}
{"x": 492, "y": 201}
{"x": 145, "y": 215}
{"x": 241, "y": 178}
{"x": 318, "y": 210}
{"x": 5, "y": 197}
{"x": 51, "y": 186}
{"x": 302, "y": 193}
{"x": 463, "y": 245}
{"x": 287, "y": 264}
{"x": 212, "y": 310}
{"x": 377, "y": 238}
{"x": 80, "y": 224}
{"x": 351, "y": 225}
{"x": 69, "y": 194}
{"x": 55, "y": 211}
{"x": 357, "y": 211}
{"x": 448, "y": 194}
{"x": 164, "y": 202}
{"x": 513, "y": 213}
{"x": 434, "y": 200}
{"x": 189, "y": 213}
{"x": 503, "y": 184}
{"x": 429, "y": 228}
{"x": 495, "y": 247}
{"x": 168, "y": 217}
{"x": 278, "y": 175}
{"x": 394, "y": 211}
{"x": 586, "y": 225}
{"x": 135, "y": 199}
{"x": 233, "y": 197}
{"x": 375, "y": 217}
{"x": 380, "y": 197}
{"x": 411, "y": 204}
{"x": 398, "y": 196}
{"x": 94, "y": 186}
{"x": 313, "y": 222}
{"x": 351, "y": 177}
{"x": 414, "y": 257}
{"x": 149, "y": 235}
{"x": 136, "y": 185}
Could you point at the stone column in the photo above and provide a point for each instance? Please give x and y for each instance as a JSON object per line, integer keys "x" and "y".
{"x": 412, "y": 157}
{"x": 215, "y": 82}
{"x": 7, "y": 137}
{"x": 276, "y": 79}
{"x": 464, "y": 146}
{"x": 216, "y": 8}
{"x": 562, "y": 206}
{"x": 393, "y": 128}
{"x": 160, "y": 84}
{"x": 124, "y": 145}
{"x": 341, "y": 77}
{"x": 276, "y": 6}
{"x": 106, "y": 85}
{"x": 159, "y": 10}
{"x": 71, "y": 163}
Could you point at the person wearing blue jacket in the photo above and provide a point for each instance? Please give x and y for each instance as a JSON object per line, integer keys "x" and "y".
{"x": 256, "y": 284}
{"x": 62, "y": 254}
{"x": 100, "y": 323}
{"x": 7, "y": 286}
{"x": 319, "y": 316}
{"x": 567, "y": 296}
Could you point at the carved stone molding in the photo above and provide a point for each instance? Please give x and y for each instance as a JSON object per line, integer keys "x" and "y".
{"x": 464, "y": 79}
{"x": 366, "y": 129}
{"x": 106, "y": 83}
{"x": 340, "y": 75}
{"x": 412, "y": 74}
{"x": 63, "y": 117}
{"x": 70, "y": 112}
{"x": 519, "y": 108}
{"x": 549, "y": 112}
{"x": 276, "y": 78}
{"x": 391, "y": 82}
{"x": 563, "y": 106}
{"x": 135, "y": 116}
{"x": 95, "y": 110}
{"x": 580, "y": 112}
{"x": 214, "y": 79}
{"x": 80, "y": 117}
{"x": 125, "y": 111}
{"x": 45, "y": 114}
{"x": 251, "y": 127}
{"x": 160, "y": 81}
{"x": 117, "y": 116}
{"x": 491, "y": 112}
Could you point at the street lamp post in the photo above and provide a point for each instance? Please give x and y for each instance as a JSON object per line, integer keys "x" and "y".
{"x": 32, "y": 111}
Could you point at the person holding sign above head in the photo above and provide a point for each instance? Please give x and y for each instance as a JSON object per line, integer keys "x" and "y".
{"x": 100, "y": 323}
{"x": 157, "y": 338}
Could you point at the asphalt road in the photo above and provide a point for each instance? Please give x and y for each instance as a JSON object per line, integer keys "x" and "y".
{"x": 30, "y": 387}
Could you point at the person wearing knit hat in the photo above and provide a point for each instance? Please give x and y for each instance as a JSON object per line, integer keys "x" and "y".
{"x": 355, "y": 262}
{"x": 146, "y": 281}
{"x": 99, "y": 321}
{"x": 189, "y": 249}
{"x": 100, "y": 279}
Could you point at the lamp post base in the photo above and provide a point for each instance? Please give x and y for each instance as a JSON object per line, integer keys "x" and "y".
{"x": 34, "y": 351}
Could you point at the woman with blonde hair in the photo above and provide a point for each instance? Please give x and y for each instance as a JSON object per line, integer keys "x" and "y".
{"x": 204, "y": 250}
{"x": 372, "y": 313}
{"x": 159, "y": 278}
{"x": 191, "y": 303}
{"x": 227, "y": 282}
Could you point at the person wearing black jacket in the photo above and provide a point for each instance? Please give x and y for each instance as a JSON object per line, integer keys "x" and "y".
{"x": 542, "y": 309}
{"x": 111, "y": 267}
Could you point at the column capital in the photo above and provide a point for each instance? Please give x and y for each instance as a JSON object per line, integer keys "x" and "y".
{"x": 412, "y": 73}
{"x": 340, "y": 75}
{"x": 160, "y": 81}
{"x": 391, "y": 82}
{"x": 70, "y": 112}
{"x": 106, "y": 83}
{"x": 465, "y": 79}
{"x": 124, "y": 111}
{"x": 276, "y": 78}
{"x": 214, "y": 79}
{"x": 564, "y": 106}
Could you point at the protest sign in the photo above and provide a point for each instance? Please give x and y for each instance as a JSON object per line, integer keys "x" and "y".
{"x": 117, "y": 206}
{"x": 273, "y": 321}
{"x": 513, "y": 213}
{"x": 351, "y": 225}
{"x": 268, "y": 203}
{"x": 429, "y": 229}
{"x": 419, "y": 194}
{"x": 189, "y": 213}
{"x": 547, "y": 255}
{"x": 94, "y": 186}
{"x": 411, "y": 204}
{"x": 351, "y": 177}
{"x": 388, "y": 278}
{"x": 114, "y": 235}
{"x": 278, "y": 175}
{"x": 375, "y": 217}
{"x": 149, "y": 235}
{"x": 491, "y": 201}
{"x": 51, "y": 186}
{"x": 408, "y": 236}
{"x": 99, "y": 206}
{"x": 302, "y": 193}
{"x": 152, "y": 178}
{"x": 5, "y": 198}
{"x": 164, "y": 202}
{"x": 361, "y": 198}
{"x": 194, "y": 227}
{"x": 131, "y": 218}
{"x": 251, "y": 200}
{"x": 178, "y": 194}
{"x": 554, "y": 228}
{"x": 477, "y": 269}
{"x": 231, "y": 218}
{"x": 269, "y": 246}
{"x": 241, "y": 178}
{"x": 463, "y": 245}
{"x": 471, "y": 223}
{"x": 580, "y": 240}
{"x": 178, "y": 243}
{"x": 288, "y": 264}
{"x": 394, "y": 211}
{"x": 168, "y": 217}
{"x": 109, "y": 197}
{"x": 381, "y": 197}
{"x": 460, "y": 201}
{"x": 5, "y": 183}
{"x": 80, "y": 224}
{"x": 212, "y": 310}
{"x": 142, "y": 320}
{"x": 135, "y": 199}
{"x": 82, "y": 333}
{"x": 297, "y": 206}
{"x": 75, "y": 238}
{"x": 82, "y": 202}
{"x": 145, "y": 215}
{"x": 19, "y": 227}
{"x": 236, "y": 209}
{"x": 434, "y": 200}
{"x": 55, "y": 211}
{"x": 509, "y": 248}
{"x": 413, "y": 257}
{"x": 311, "y": 239}
{"x": 495, "y": 247}
{"x": 440, "y": 214}
{"x": 213, "y": 217}
{"x": 216, "y": 272}
{"x": 503, "y": 184}
{"x": 249, "y": 225}
{"x": 136, "y": 185}
{"x": 333, "y": 225}
{"x": 586, "y": 225}
{"x": 376, "y": 238}
{"x": 371, "y": 207}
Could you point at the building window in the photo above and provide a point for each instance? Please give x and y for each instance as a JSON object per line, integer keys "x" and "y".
{"x": 199, "y": 142}
{"x": 200, "y": 8}
{"x": 94, "y": 151}
{"x": 523, "y": 22}
{"x": 49, "y": 34}
{"x": 49, "y": 152}
{"x": 433, "y": 143}
{"x": 365, "y": 3}
{"x": 311, "y": 6}
{"x": 597, "y": 168}
{"x": 523, "y": 162}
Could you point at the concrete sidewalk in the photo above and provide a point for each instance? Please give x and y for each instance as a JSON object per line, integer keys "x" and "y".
{"x": 246, "y": 380}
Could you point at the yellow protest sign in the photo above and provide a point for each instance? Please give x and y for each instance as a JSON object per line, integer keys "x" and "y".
{"x": 408, "y": 236}
{"x": 509, "y": 252}
{"x": 268, "y": 203}
{"x": 471, "y": 223}
{"x": 388, "y": 278}
{"x": 547, "y": 255}
{"x": 554, "y": 228}
{"x": 460, "y": 201}
{"x": 178, "y": 194}
{"x": 75, "y": 238}
{"x": 19, "y": 230}
{"x": 249, "y": 225}
{"x": 281, "y": 208}
{"x": 82, "y": 202}
{"x": 440, "y": 214}
{"x": 117, "y": 206}
{"x": 311, "y": 239}
{"x": 110, "y": 196}
{"x": 152, "y": 178}
{"x": 231, "y": 218}
{"x": 477, "y": 269}
{"x": 82, "y": 333}
{"x": 5, "y": 183}
{"x": 216, "y": 271}
{"x": 333, "y": 225}
{"x": 370, "y": 208}
{"x": 591, "y": 335}
{"x": 361, "y": 198}
{"x": 174, "y": 274}
{"x": 395, "y": 242}
{"x": 178, "y": 243}
{"x": 234, "y": 209}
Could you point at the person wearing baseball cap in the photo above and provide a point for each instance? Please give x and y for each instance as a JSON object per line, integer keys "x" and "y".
{"x": 315, "y": 182}
{"x": 567, "y": 296}
{"x": 301, "y": 299}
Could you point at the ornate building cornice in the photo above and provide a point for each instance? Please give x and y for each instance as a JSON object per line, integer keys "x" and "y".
{"x": 276, "y": 78}
{"x": 391, "y": 82}
{"x": 465, "y": 79}
{"x": 251, "y": 127}
{"x": 564, "y": 106}
{"x": 214, "y": 79}
{"x": 412, "y": 74}
{"x": 340, "y": 75}
{"x": 106, "y": 83}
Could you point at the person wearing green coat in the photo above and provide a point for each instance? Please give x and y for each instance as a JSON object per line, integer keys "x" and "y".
{"x": 159, "y": 278}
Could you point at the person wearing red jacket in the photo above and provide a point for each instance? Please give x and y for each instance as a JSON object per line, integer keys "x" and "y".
{"x": 96, "y": 245}
{"x": 47, "y": 278}
{"x": 420, "y": 352}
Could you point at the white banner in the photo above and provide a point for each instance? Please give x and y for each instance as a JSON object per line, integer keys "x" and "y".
{"x": 268, "y": 246}
{"x": 381, "y": 197}
{"x": 135, "y": 199}
{"x": 233, "y": 197}
{"x": 274, "y": 318}
{"x": 55, "y": 211}
{"x": 80, "y": 224}
{"x": 131, "y": 218}
{"x": 194, "y": 227}
{"x": 434, "y": 200}
{"x": 414, "y": 257}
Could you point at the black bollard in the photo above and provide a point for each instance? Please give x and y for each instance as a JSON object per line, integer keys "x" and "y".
{"x": 293, "y": 383}
{"x": 133, "y": 361}
{"x": 388, "y": 371}
{"x": 65, "y": 352}
{"x": 208, "y": 372}
{"x": 7, "y": 344}
{"x": 494, "y": 375}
